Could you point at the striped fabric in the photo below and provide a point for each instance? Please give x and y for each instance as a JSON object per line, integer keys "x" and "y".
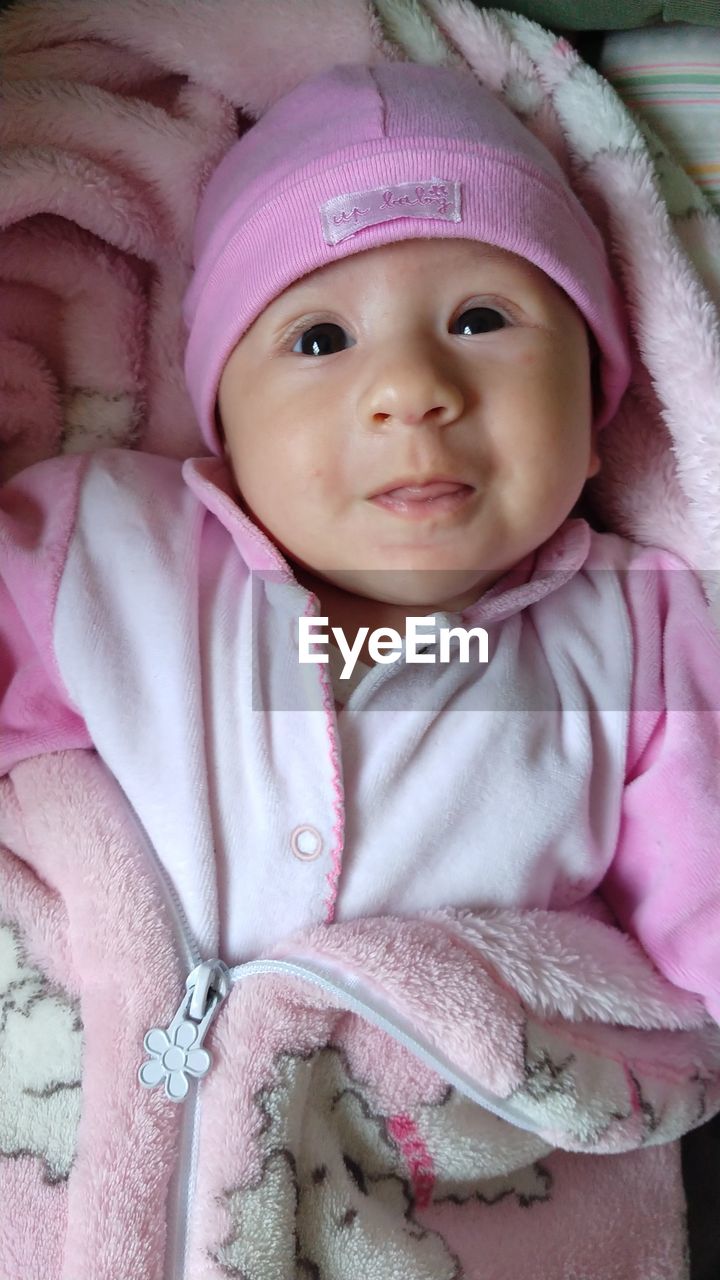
{"x": 671, "y": 77}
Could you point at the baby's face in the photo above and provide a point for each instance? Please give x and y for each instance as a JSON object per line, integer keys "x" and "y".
{"x": 415, "y": 360}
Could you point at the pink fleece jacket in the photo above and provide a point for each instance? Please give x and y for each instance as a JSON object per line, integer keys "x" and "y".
{"x": 144, "y": 614}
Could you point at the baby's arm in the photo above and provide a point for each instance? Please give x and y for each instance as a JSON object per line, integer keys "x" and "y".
{"x": 37, "y": 515}
{"x": 664, "y": 882}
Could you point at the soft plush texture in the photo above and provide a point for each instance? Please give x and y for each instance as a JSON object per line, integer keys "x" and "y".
{"x": 415, "y": 1096}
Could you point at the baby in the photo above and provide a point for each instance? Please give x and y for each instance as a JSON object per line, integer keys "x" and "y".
{"x": 418, "y": 468}
{"x": 404, "y": 339}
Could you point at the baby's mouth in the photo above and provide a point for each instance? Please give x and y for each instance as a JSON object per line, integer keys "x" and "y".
{"x": 439, "y": 497}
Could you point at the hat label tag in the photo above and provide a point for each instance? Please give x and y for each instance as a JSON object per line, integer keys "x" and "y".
{"x": 433, "y": 198}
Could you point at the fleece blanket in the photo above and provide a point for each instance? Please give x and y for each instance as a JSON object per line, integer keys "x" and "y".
{"x": 458, "y": 1094}
{"x": 452, "y": 1095}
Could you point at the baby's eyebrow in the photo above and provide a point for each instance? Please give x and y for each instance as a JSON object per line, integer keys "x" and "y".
{"x": 303, "y": 294}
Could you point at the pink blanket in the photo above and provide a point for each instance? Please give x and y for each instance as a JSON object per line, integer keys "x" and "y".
{"x": 454, "y": 1095}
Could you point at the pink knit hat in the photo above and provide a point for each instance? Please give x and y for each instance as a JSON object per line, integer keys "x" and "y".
{"x": 361, "y": 156}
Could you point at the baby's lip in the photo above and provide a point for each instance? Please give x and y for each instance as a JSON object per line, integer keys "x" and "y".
{"x": 419, "y": 490}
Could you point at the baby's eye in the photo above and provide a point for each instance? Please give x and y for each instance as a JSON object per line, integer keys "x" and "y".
{"x": 481, "y": 320}
{"x": 321, "y": 339}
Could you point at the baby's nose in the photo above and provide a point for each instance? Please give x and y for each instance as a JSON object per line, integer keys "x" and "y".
{"x": 438, "y": 413}
{"x": 415, "y": 393}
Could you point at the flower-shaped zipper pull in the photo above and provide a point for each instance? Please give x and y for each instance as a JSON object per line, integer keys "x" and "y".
{"x": 177, "y": 1052}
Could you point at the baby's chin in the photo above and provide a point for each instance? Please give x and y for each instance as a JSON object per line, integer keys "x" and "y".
{"x": 450, "y": 590}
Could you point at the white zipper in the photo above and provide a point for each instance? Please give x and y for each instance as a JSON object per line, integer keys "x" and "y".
{"x": 332, "y": 977}
{"x": 176, "y": 1051}
{"x": 210, "y": 983}
{"x": 200, "y": 977}
{"x": 207, "y": 986}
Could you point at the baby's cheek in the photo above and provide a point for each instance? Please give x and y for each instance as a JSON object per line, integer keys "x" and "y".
{"x": 528, "y": 359}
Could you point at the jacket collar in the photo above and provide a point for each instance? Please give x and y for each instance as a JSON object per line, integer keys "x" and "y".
{"x": 539, "y": 573}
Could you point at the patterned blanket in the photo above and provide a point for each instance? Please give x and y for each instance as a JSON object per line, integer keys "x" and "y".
{"x": 457, "y": 1094}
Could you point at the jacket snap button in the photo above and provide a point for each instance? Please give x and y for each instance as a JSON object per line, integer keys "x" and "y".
{"x": 306, "y": 843}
